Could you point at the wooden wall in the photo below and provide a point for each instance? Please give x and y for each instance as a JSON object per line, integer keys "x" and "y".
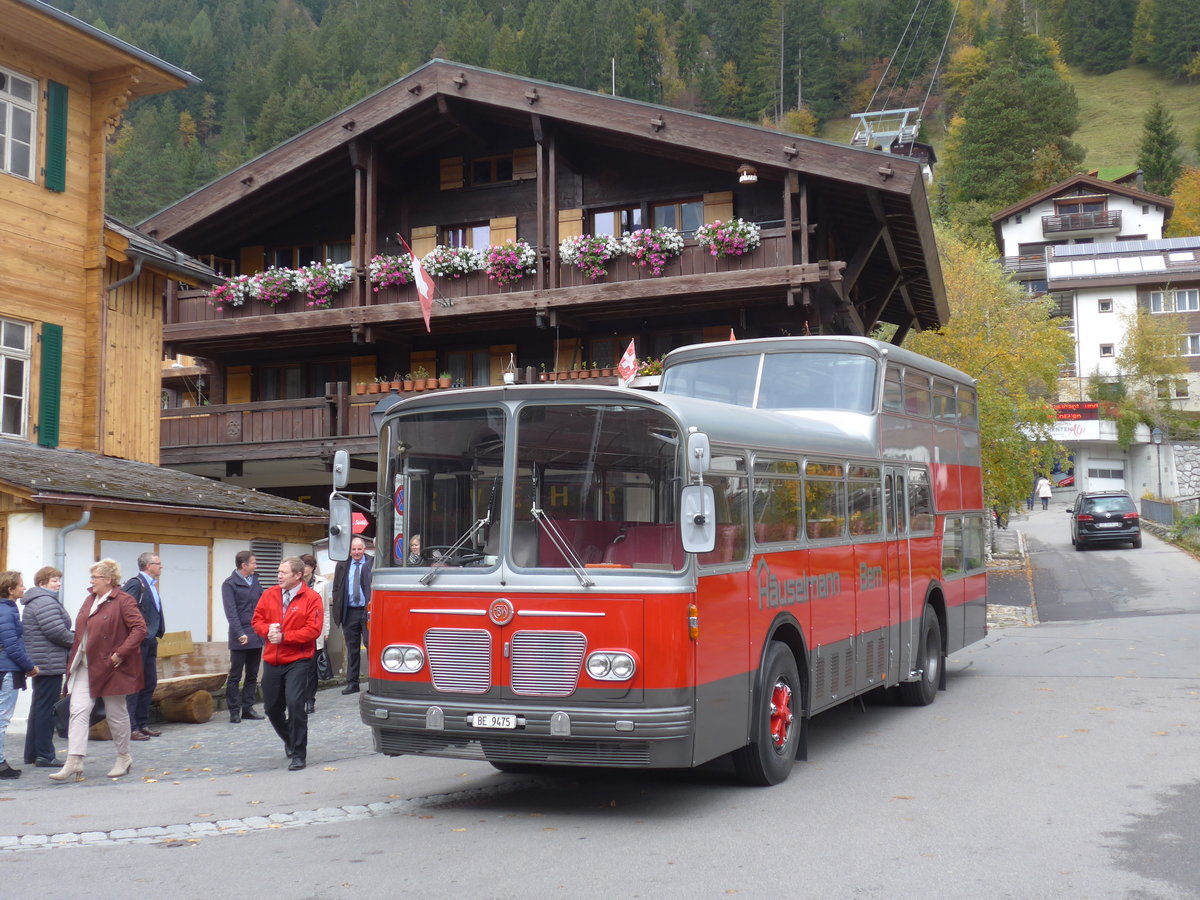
{"x": 132, "y": 374}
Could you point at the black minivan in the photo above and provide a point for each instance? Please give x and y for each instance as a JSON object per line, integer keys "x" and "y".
{"x": 1102, "y": 517}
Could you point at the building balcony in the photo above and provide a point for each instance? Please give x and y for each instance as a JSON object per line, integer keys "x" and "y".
{"x": 1024, "y": 266}
{"x": 1100, "y": 222}
{"x": 694, "y": 280}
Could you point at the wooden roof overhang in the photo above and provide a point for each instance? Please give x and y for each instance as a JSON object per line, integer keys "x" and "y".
{"x": 873, "y": 204}
{"x": 85, "y": 47}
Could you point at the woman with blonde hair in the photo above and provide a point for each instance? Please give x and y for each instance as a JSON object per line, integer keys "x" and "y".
{"x": 106, "y": 662}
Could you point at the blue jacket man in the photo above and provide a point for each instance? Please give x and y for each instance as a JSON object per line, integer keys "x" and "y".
{"x": 143, "y": 587}
{"x": 239, "y": 595}
{"x": 351, "y": 591}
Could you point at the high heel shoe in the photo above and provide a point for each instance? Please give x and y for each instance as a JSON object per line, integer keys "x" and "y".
{"x": 121, "y": 766}
{"x": 74, "y": 766}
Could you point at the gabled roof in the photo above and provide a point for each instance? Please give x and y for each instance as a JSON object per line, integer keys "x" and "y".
{"x": 74, "y": 477}
{"x": 65, "y": 37}
{"x": 863, "y": 191}
{"x": 1095, "y": 184}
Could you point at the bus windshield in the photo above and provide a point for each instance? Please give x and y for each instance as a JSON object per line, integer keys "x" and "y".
{"x": 597, "y": 487}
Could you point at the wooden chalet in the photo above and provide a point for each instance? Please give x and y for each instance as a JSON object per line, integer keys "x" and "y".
{"x": 458, "y": 156}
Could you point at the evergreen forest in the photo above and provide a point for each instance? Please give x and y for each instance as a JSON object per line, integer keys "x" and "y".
{"x": 271, "y": 68}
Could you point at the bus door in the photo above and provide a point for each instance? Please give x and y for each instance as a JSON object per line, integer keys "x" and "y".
{"x": 899, "y": 567}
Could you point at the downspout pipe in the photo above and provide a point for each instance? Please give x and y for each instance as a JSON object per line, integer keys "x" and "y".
{"x": 132, "y": 276}
{"x": 60, "y": 548}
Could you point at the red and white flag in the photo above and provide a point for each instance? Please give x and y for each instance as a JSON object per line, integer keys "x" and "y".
{"x": 732, "y": 336}
{"x": 424, "y": 282}
{"x": 627, "y": 367}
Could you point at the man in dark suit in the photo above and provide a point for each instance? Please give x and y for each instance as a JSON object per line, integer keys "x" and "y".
{"x": 351, "y": 590}
{"x": 143, "y": 587}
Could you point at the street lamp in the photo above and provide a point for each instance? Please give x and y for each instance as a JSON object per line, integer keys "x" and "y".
{"x": 1156, "y": 435}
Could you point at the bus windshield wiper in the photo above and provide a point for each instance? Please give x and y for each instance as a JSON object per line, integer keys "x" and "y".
{"x": 556, "y": 537}
{"x": 443, "y": 561}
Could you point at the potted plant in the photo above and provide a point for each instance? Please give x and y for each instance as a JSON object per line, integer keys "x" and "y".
{"x": 321, "y": 281}
{"x": 408, "y": 381}
{"x": 574, "y": 372}
{"x": 420, "y": 376}
{"x": 375, "y": 386}
{"x": 360, "y": 387}
{"x": 444, "y": 379}
{"x": 510, "y": 262}
{"x": 542, "y": 373}
{"x": 589, "y": 254}
{"x": 390, "y": 271}
{"x": 452, "y": 262}
{"x": 652, "y": 248}
{"x": 736, "y": 237}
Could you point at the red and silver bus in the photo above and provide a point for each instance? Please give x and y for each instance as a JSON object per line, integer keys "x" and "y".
{"x": 612, "y": 577}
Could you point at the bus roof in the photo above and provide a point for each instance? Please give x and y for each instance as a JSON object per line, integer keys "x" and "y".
{"x": 831, "y": 343}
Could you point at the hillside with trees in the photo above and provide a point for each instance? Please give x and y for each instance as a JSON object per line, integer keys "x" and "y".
{"x": 271, "y": 68}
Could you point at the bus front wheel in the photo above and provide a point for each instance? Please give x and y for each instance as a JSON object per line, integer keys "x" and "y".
{"x": 768, "y": 758}
{"x": 923, "y": 691}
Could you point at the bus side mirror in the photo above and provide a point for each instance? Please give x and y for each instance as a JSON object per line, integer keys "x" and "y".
{"x": 339, "y": 527}
{"x": 698, "y": 518}
{"x": 698, "y": 454}
{"x": 341, "y": 469}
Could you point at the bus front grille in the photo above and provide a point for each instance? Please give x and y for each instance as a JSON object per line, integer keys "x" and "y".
{"x": 460, "y": 659}
{"x": 546, "y": 663}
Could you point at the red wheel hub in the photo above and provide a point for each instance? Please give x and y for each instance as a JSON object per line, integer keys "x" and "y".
{"x": 781, "y": 714}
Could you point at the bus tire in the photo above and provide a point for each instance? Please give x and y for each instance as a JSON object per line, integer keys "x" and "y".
{"x": 923, "y": 691}
{"x": 768, "y": 758}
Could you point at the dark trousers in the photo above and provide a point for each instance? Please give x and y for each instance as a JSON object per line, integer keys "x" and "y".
{"x": 39, "y": 731}
{"x": 139, "y": 704}
{"x": 242, "y": 661}
{"x": 352, "y": 630}
{"x": 313, "y": 678}
{"x": 284, "y": 690}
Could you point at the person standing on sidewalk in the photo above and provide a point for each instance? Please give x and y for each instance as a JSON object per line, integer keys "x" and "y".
{"x": 288, "y": 617}
{"x": 240, "y": 593}
{"x": 48, "y": 638}
{"x": 15, "y": 663}
{"x": 351, "y": 588}
{"x": 321, "y": 586}
{"x": 143, "y": 587}
{"x": 1044, "y": 491}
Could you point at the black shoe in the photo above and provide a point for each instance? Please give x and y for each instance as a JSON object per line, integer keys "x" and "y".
{"x": 249, "y": 713}
{"x": 296, "y": 764}
{"x": 7, "y": 771}
{"x": 235, "y": 715}
{"x": 350, "y": 688}
{"x": 310, "y": 707}
{"x": 48, "y": 763}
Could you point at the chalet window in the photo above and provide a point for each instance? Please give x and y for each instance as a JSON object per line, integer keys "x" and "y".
{"x": 14, "y": 377}
{"x": 1189, "y": 345}
{"x": 1175, "y": 301}
{"x": 1107, "y": 350}
{"x": 685, "y": 215}
{"x": 1172, "y": 388}
{"x": 1104, "y": 306}
{"x": 491, "y": 169}
{"x": 470, "y": 367}
{"x": 296, "y": 382}
{"x": 297, "y": 256}
{"x": 1069, "y": 205}
{"x": 18, "y": 117}
{"x": 617, "y": 221}
{"x": 478, "y": 236}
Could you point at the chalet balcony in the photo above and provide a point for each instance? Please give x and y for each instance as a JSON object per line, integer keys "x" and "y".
{"x": 1100, "y": 222}
{"x": 693, "y": 279}
{"x": 1024, "y": 265}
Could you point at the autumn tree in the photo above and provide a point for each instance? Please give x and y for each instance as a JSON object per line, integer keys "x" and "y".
{"x": 1158, "y": 155}
{"x": 1147, "y": 361}
{"x": 1009, "y": 343}
{"x": 1186, "y": 218}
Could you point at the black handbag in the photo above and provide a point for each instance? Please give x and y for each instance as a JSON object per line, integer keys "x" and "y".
{"x": 324, "y": 669}
{"x": 62, "y": 714}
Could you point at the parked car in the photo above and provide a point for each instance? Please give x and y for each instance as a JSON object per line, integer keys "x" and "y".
{"x": 1105, "y": 517}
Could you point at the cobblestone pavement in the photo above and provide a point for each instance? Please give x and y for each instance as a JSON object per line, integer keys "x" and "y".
{"x": 1008, "y": 555}
{"x": 216, "y": 747}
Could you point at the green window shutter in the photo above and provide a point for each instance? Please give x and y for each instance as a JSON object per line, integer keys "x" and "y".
{"x": 51, "y": 390}
{"x": 56, "y": 137}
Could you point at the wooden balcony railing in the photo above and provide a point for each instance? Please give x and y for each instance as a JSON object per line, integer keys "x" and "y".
{"x": 1031, "y": 263}
{"x": 1100, "y": 220}
{"x": 774, "y": 251}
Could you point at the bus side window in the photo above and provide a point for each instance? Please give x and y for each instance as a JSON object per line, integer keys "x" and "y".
{"x": 916, "y": 394}
{"x": 952, "y": 547}
{"x": 920, "y": 501}
{"x": 732, "y": 499}
{"x": 892, "y": 393}
{"x": 968, "y": 408}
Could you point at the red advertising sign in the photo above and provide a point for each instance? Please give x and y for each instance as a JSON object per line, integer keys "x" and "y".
{"x": 1077, "y": 412}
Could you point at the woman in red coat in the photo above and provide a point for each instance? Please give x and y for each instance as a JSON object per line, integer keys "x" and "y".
{"x": 105, "y": 661}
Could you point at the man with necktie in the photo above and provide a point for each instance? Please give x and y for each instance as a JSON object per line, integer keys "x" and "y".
{"x": 143, "y": 587}
{"x": 351, "y": 590}
{"x": 288, "y": 617}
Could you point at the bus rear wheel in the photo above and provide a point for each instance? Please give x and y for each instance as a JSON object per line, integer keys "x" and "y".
{"x": 923, "y": 691}
{"x": 768, "y": 758}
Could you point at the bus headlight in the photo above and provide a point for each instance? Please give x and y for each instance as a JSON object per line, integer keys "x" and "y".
{"x": 611, "y": 665}
{"x": 402, "y": 658}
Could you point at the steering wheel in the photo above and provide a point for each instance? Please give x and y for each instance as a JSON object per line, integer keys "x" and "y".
{"x": 447, "y": 556}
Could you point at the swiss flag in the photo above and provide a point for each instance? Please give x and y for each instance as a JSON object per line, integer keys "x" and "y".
{"x": 732, "y": 336}
{"x": 424, "y": 282}
{"x": 627, "y": 367}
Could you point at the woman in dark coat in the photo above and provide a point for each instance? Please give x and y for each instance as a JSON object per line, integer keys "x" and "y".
{"x": 106, "y": 661}
{"x": 48, "y": 638}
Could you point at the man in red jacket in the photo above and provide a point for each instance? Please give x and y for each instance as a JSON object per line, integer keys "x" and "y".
{"x": 289, "y": 617}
